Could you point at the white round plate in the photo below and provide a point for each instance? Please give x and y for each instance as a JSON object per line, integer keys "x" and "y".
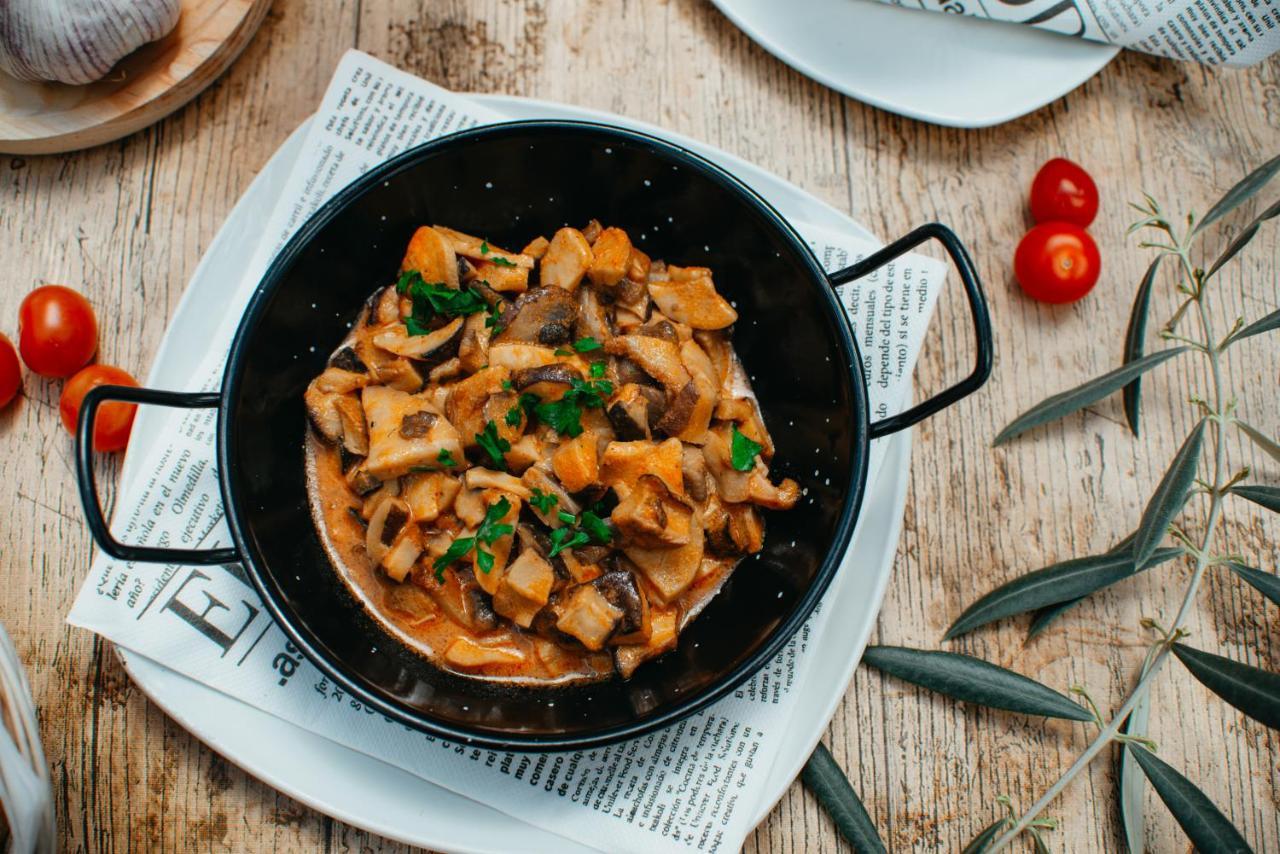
{"x": 381, "y": 798}
{"x": 941, "y": 68}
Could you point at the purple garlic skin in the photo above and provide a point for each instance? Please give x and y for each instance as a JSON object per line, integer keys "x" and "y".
{"x": 78, "y": 41}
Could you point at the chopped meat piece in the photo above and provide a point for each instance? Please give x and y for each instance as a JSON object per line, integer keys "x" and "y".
{"x": 524, "y": 589}
{"x": 567, "y": 260}
{"x": 575, "y": 464}
{"x": 430, "y": 255}
{"x": 390, "y": 453}
{"x": 611, "y": 253}
{"x": 650, "y": 516}
{"x": 588, "y": 616}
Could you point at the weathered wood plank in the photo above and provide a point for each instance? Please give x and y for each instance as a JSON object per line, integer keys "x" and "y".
{"x": 128, "y": 222}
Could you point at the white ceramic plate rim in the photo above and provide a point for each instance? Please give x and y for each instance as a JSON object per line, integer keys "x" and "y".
{"x": 211, "y": 716}
{"x": 852, "y": 85}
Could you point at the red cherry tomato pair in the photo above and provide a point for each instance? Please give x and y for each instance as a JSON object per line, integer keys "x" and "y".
{"x": 1057, "y": 261}
{"x": 57, "y": 336}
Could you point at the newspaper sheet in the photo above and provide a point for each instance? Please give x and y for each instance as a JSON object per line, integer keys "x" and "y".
{"x": 693, "y": 786}
{"x": 1214, "y": 32}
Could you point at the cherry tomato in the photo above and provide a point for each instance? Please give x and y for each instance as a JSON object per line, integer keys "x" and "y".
{"x": 1057, "y": 262}
{"x": 10, "y": 372}
{"x": 113, "y": 421}
{"x": 57, "y": 332}
{"x": 1064, "y": 192}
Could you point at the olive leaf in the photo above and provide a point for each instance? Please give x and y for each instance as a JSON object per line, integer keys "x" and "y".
{"x": 1066, "y": 402}
{"x": 1264, "y": 582}
{"x": 1264, "y": 496}
{"x": 1263, "y": 324}
{"x": 1262, "y": 440}
{"x": 1061, "y": 582}
{"x": 830, "y": 786}
{"x": 1131, "y": 788}
{"x": 1243, "y": 190}
{"x": 1242, "y": 239}
{"x": 1170, "y": 495}
{"x": 1042, "y": 618}
{"x": 1252, "y": 690}
{"x": 972, "y": 680}
{"x": 983, "y": 840}
{"x": 1208, "y": 829}
{"x": 1134, "y": 342}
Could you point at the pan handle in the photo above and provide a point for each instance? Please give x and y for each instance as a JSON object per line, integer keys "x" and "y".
{"x": 88, "y": 485}
{"x": 977, "y": 307}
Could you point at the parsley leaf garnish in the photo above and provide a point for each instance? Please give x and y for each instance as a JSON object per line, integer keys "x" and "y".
{"x": 496, "y": 260}
{"x": 586, "y": 345}
{"x": 435, "y": 299}
{"x": 566, "y": 538}
{"x": 743, "y": 451}
{"x": 560, "y": 351}
{"x": 597, "y": 369}
{"x": 562, "y": 415}
{"x": 445, "y": 458}
{"x": 543, "y": 501}
{"x": 484, "y": 247}
{"x": 580, "y": 531}
{"x": 495, "y": 315}
{"x": 506, "y": 385}
{"x": 513, "y": 416}
{"x": 501, "y": 262}
{"x": 488, "y": 532}
{"x": 493, "y": 444}
{"x": 565, "y": 415}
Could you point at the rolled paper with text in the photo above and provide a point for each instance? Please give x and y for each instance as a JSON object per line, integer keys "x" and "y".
{"x": 1214, "y": 32}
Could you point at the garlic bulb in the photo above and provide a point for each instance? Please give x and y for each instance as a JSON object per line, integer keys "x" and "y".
{"x": 78, "y": 41}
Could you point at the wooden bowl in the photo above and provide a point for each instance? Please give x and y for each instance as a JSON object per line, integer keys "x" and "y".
{"x": 146, "y": 86}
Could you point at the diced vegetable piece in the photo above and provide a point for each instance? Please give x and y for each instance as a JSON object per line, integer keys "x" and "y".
{"x": 694, "y": 302}
{"x": 536, "y": 248}
{"x": 524, "y": 589}
{"x": 465, "y": 404}
{"x": 588, "y": 616}
{"x": 432, "y": 257}
{"x": 503, "y": 278}
{"x": 483, "y": 478}
{"x": 575, "y": 463}
{"x": 511, "y": 356}
{"x": 611, "y": 253}
{"x": 400, "y": 558}
{"x": 468, "y": 654}
{"x": 566, "y": 261}
{"x": 478, "y": 249}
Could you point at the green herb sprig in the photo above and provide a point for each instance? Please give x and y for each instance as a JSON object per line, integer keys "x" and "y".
{"x": 565, "y": 415}
{"x": 491, "y": 528}
{"x": 1048, "y": 593}
{"x": 493, "y": 444}
{"x": 435, "y": 299}
{"x": 583, "y": 529}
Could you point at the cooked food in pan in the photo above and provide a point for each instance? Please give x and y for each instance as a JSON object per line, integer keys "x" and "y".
{"x": 538, "y": 467}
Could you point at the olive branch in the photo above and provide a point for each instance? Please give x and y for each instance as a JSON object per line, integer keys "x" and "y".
{"x": 1163, "y": 534}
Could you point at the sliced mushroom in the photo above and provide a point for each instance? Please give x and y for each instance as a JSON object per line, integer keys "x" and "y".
{"x": 347, "y": 360}
{"x": 660, "y": 328}
{"x": 386, "y": 308}
{"x": 515, "y": 356}
{"x": 634, "y": 409}
{"x": 548, "y": 382}
{"x": 435, "y": 346}
{"x": 658, "y": 358}
{"x": 386, "y": 368}
{"x": 638, "y": 266}
{"x": 623, "y": 463}
{"x": 537, "y": 477}
{"x": 689, "y": 413}
{"x": 593, "y": 320}
{"x": 432, "y": 257}
{"x": 355, "y": 435}
{"x": 478, "y": 249}
{"x": 619, "y": 588}
{"x": 483, "y": 478}
{"x": 467, "y": 398}
{"x": 536, "y": 248}
{"x": 473, "y": 347}
{"x": 543, "y": 315}
{"x": 322, "y": 414}
{"x": 693, "y": 467}
{"x": 525, "y": 451}
{"x": 567, "y": 260}
{"x": 746, "y": 528}
{"x": 575, "y": 463}
{"x": 592, "y": 230}
{"x": 392, "y": 454}
{"x": 782, "y": 496}
{"x": 662, "y": 638}
{"x": 611, "y": 254}
{"x": 340, "y": 380}
{"x": 631, "y": 304}
{"x": 743, "y": 411}
{"x": 361, "y": 482}
{"x": 502, "y": 277}
{"x": 588, "y": 616}
{"x": 385, "y": 525}
{"x": 650, "y": 516}
{"x": 430, "y": 494}
{"x": 524, "y": 588}
{"x": 690, "y": 297}
{"x": 447, "y": 370}
{"x": 671, "y": 570}
{"x": 467, "y": 654}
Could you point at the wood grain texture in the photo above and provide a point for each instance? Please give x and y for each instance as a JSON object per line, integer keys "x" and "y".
{"x": 146, "y": 86}
{"x": 127, "y": 223}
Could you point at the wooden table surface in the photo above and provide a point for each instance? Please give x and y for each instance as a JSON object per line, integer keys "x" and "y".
{"x": 127, "y": 223}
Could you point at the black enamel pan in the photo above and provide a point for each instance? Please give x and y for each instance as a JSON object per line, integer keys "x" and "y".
{"x": 509, "y": 182}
